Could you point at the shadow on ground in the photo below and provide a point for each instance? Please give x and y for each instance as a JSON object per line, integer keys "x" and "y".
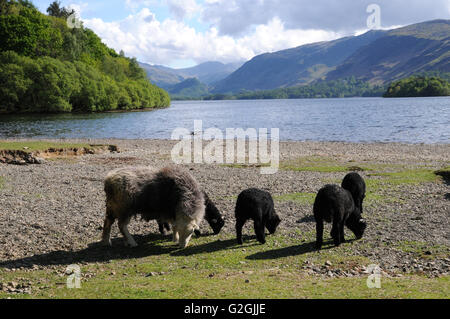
{"x": 215, "y": 246}
{"x": 149, "y": 245}
{"x": 291, "y": 251}
{"x": 306, "y": 219}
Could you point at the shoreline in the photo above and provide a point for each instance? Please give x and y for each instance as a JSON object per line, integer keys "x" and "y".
{"x": 98, "y": 140}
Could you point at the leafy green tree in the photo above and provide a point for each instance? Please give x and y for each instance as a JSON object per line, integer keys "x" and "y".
{"x": 416, "y": 86}
{"x": 47, "y": 67}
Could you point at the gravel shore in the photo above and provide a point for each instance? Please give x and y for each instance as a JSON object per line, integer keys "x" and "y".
{"x": 59, "y": 206}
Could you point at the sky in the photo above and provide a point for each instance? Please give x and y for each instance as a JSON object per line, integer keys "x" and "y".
{"x": 183, "y": 33}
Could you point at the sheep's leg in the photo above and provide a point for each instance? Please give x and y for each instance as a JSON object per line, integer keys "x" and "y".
{"x": 319, "y": 233}
{"x": 162, "y": 227}
{"x": 106, "y": 236}
{"x": 259, "y": 231}
{"x": 186, "y": 231}
{"x": 197, "y": 231}
{"x": 123, "y": 227}
{"x": 335, "y": 232}
{"x": 341, "y": 233}
{"x": 239, "y": 224}
{"x": 175, "y": 234}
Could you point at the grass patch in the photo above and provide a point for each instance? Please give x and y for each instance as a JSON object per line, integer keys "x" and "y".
{"x": 301, "y": 198}
{"x": 2, "y": 182}
{"x": 216, "y": 267}
{"x": 31, "y": 146}
{"x": 416, "y": 176}
{"x": 423, "y": 249}
{"x": 324, "y": 164}
{"x": 213, "y": 268}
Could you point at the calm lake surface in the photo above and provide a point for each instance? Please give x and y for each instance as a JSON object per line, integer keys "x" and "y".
{"x": 410, "y": 120}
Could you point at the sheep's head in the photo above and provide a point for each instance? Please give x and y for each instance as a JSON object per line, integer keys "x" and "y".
{"x": 356, "y": 223}
{"x": 273, "y": 223}
{"x": 213, "y": 216}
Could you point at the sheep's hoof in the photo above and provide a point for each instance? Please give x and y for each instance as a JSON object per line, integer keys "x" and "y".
{"x": 106, "y": 243}
{"x": 131, "y": 244}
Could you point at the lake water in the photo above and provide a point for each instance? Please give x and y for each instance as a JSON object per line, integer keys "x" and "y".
{"x": 410, "y": 120}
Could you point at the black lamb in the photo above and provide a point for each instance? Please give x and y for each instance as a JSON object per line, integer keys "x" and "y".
{"x": 355, "y": 184}
{"x": 212, "y": 216}
{"x": 335, "y": 204}
{"x": 257, "y": 205}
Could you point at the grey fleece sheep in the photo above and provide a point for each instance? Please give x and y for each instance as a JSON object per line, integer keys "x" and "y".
{"x": 169, "y": 195}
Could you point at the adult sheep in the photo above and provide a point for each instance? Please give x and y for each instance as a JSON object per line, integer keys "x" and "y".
{"x": 169, "y": 195}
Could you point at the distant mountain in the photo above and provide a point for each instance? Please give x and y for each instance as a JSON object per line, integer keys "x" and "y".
{"x": 376, "y": 56}
{"x": 208, "y": 73}
{"x": 189, "y": 88}
{"x": 400, "y": 53}
{"x": 161, "y": 75}
{"x": 296, "y": 66}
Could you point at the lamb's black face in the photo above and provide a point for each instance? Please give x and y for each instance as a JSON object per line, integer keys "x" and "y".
{"x": 356, "y": 224}
{"x": 216, "y": 224}
{"x": 273, "y": 223}
{"x": 213, "y": 216}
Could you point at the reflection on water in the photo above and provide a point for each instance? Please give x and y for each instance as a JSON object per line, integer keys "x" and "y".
{"x": 418, "y": 120}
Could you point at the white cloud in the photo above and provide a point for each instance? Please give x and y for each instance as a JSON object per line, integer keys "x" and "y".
{"x": 237, "y": 30}
{"x": 236, "y": 16}
{"x": 164, "y": 42}
{"x": 183, "y": 8}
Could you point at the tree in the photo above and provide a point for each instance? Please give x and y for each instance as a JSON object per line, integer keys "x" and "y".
{"x": 56, "y": 10}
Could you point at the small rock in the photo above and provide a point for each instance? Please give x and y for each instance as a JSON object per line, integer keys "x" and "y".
{"x": 151, "y": 274}
{"x": 247, "y": 281}
{"x": 328, "y": 263}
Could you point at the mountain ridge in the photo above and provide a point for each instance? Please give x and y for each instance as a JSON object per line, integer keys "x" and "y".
{"x": 375, "y": 56}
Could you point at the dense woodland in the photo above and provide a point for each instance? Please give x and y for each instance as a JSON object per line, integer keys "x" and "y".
{"x": 323, "y": 89}
{"x": 422, "y": 85}
{"x": 432, "y": 83}
{"x": 45, "y": 66}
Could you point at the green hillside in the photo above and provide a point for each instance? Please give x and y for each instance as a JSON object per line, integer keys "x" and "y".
{"x": 377, "y": 57}
{"x": 190, "y": 88}
{"x": 292, "y": 67}
{"x": 401, "y": 53}
{"x": 45, "y": 66}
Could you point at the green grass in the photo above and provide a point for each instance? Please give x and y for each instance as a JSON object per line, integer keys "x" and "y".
{"x": 2, "y": 182}
{"x": 414, "y": 176}
{"x": 216, "y": 267}
{"x": 300, "y": 198}
{"x": 313, "y": 164}
{"x": 423, "y": 249}
{"x": 31, "y": 146}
